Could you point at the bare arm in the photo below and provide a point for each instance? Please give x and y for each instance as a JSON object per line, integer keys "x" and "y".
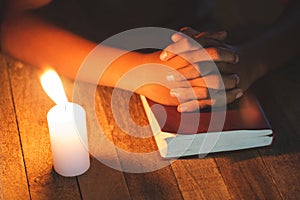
{"x": 38, "y": 42}
{"x": 34, "y": 40}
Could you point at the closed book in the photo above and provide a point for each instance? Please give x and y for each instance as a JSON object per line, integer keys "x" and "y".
{"x": 239, "y": 125}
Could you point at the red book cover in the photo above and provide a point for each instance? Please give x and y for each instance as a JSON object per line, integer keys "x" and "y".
{"x": 244, "y": 114}
{"x": 240, "y": 125}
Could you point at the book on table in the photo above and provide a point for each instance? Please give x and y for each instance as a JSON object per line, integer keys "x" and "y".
{"x": 240, "y": 125}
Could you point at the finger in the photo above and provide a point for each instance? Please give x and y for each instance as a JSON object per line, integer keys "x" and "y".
{"x": 214, "y": 81}
{"x": 226, "y": 68}
{"x": 191, "y": 71}
{"x": 210, "y": 81}
{"x": 188, "y": 72}
{"x": 224, "y": 97}
{"x": 177, "y": 62}
{"x": 194, "y": 105}
{"x": 183, "y": 45}
{"x": 165, "y": 55}
{"x": 205, "y": 38}
{"x": 189, "y": 31}
{"x": 219, "y": 99}
{"x": 216, "y": 54}
{"x": 186, "y": 94}
{"x": 230, "y": 81}
{"x": 221, "y": 35}
{"x": 177, "y": 36}
{"x": 206, "y": 42}
{"x": 234, "y": 94}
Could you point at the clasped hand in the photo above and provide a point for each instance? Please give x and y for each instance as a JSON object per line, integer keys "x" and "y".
{"x": 200, "y": 83}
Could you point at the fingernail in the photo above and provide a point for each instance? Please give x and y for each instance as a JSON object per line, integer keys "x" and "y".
{"x": 236, "y": 59}
{"x": 184, "y": 28}
{"x": 238, "y": 95}
{"x": 163, "y": 56}
{"x": 177, "y": 36}
{"x": 174, "y": 93}
{"x": 213, "y": 102}
{"x": 199, "y": 35}
{"x": 237, "y": 78}
{"x": 170, "y": 77}
{"x": 222, "y": 32}
{"x": 182, "y": 108}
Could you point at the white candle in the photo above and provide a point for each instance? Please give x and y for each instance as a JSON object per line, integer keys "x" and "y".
{"x": 68, "y": 137}
{"x": 67, "y": 127}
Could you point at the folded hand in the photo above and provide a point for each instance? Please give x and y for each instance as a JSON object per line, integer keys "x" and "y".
{"x": 200, "y": 84}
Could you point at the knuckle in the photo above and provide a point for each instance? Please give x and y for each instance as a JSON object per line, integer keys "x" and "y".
{"x": 172, "y": 48}
{"x": 206, "y": 93}
{"x": 185, "y": 40}
{"x": 202, "y": 104}
{"x": 196, "y": 71}
{"x": 194, "y": 104}
{"x": 213, "y": 52}
{"x": 215, "y": 82}
{"x": 218, "y": 52}
{"x": 180, "y": 75}
{"x": 193, "y": 71}
{"x": 202, "y": 93}
{"x": 193, "y": 93}
{"x": 187, "y": 44}
{"x": 219, "y": 82}
{"x": 184, "y": 96}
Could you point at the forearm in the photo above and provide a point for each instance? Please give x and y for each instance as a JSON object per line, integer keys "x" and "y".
{"x": 36, "y": 41}
{"x": 42, "y": 44}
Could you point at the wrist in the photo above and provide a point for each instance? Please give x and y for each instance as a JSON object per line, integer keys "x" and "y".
{"x": 250, "y": 66}
{"x": 254, "y": 58}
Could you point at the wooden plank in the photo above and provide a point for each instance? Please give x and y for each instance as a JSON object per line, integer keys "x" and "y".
{"x": 103, "y": 182}
{"x": 32, "y": 105}
{"x": 13, "y": 181}
{"x": 100, "y": 181}
{"x": 158, "y": 184}
{"x": 200, "y": 179}
{"x": 279, "y": 96}
{"x": 246, "y": 176}
{"x": 245, "y": 172}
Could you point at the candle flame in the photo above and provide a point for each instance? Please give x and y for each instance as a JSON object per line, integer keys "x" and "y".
{"x": 53, "y": 86}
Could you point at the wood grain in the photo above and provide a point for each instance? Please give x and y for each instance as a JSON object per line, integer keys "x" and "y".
{"x": 264, "y": 173}
{"x": 100, "y": 181}
{"x": 280, "y": 99}
{"x": 13, "y": 181}
{"x": 103, "y": 182}
{"x": 200, "y": 179}
{"x": 32, "y": 105}
{"x": 246, "y": 168}
{"x": 157, "y": 184}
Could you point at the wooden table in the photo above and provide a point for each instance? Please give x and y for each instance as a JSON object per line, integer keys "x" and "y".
{"x": 26, "y": 164}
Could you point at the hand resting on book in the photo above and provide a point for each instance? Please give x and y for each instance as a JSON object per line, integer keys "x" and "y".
{"x": 200, "y": 83}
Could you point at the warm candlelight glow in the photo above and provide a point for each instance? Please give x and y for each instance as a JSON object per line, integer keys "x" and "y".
{"x": 53, "y": 86}
{"x": 67, "y": 128}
